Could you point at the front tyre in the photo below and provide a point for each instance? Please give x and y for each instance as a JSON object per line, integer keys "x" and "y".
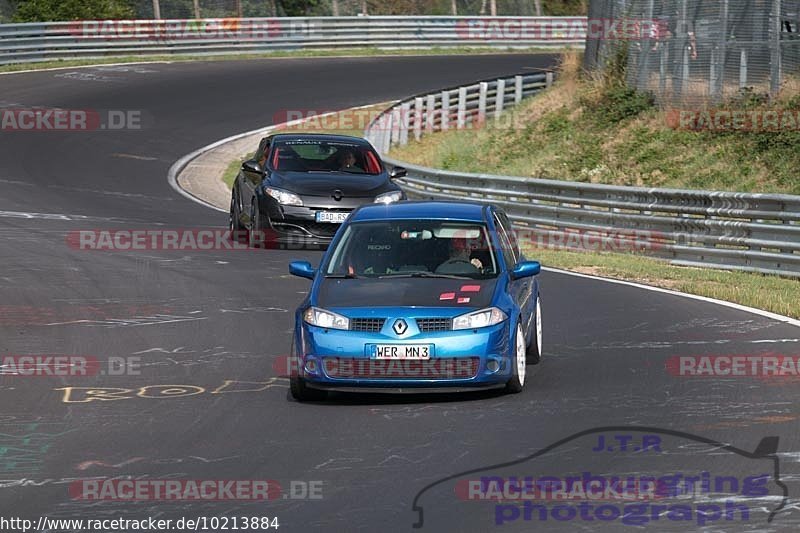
{"x": 259, "y": 224}
{"x": 517, "y": 381}
{"x": 297, "y": 385}
{"x": 303, "y": 393}
{"x": 238, "y": 231}
{"x": 534, "y": 352}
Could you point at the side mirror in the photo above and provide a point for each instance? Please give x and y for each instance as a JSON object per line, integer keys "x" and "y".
{"x": 302, "y": 269}
{"x": 526, "y": 269}
{"x": 398, "y": 172}
{"x": 251, "y": 165}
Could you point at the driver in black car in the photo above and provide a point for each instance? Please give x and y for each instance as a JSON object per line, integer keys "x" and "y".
{"x": 347, "y": 161}
{"x": 461, "y": 260}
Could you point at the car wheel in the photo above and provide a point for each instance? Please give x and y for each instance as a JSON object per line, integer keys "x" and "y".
{"x": 258, "y": 224}
{"x": 534, "y": 350}
{"x": 303, "y": 393}
{"x": 238, "y": 231}
{"x": 297, "y": 385}
{"x": 517, "y": 381}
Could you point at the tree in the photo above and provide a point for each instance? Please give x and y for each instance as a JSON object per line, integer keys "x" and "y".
{"x": 55, "y": 10}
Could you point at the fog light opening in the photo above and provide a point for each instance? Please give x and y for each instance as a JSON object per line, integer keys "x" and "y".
{"x": 492, "y": 366}
{"x": 311, "y": 366}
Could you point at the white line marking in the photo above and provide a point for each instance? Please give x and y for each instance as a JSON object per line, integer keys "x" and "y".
{"x": 85, "y": 66}
{"x": 133, "y": 156}
{"x": 738, "y": 307}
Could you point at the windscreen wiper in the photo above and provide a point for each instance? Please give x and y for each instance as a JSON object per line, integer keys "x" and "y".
{"x": 341, "y": 276}
{"x": 423, "y": 275}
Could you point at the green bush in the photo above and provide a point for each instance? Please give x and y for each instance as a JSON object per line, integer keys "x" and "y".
{"x": 56, "y": 10}
{"x": 619, "y": 103}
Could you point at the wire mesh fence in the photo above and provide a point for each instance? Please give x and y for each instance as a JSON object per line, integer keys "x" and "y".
{"x": 698, "y": 51}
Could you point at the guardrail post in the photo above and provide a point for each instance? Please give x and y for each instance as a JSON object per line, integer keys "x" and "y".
{"x": 500, "y": 98}
{"x": 445, "y": 110}
{"x": 462, "y": 108}
{"x": 548, "y": 79}
{"x": 405, "y": 112}
{"x": 386, "y": 134}
{"x": 395, "y": 125}
{"x": 517, "y": 89}
{"x": 430, "y": 113}
{"x": 743, "y": 68}
{"x": 417, "y": 118}
{"x": 483, "y": 91}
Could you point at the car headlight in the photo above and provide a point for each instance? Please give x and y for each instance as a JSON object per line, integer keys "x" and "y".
{"x": 479, "y": 319}
{"x": 325, "y": 319}
{"x": 284, "y": 197}
{"x": 389, "y": 197}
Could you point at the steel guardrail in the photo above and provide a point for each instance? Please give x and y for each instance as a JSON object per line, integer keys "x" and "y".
{"x": 728, "y": 230}
{"x": 47, "y": 41}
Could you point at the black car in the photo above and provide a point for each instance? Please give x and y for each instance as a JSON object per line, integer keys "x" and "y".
{"x": 299, "y": 188}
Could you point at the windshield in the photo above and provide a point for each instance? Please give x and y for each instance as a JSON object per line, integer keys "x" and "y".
{"x": 323, "y": 156}
{"x": 413, "y": 248}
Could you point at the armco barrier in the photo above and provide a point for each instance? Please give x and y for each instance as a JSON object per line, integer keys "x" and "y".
{"x": 750, "y": 232}
{"x": 20, "y": 43}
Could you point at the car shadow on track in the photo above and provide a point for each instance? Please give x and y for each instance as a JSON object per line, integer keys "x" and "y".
{"x": 367, "y": 398}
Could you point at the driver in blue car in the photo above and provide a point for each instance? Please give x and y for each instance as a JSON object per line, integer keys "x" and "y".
{"x": 461, "y": 259}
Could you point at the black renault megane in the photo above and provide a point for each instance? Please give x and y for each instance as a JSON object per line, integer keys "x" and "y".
{"x": 299, "y": 188}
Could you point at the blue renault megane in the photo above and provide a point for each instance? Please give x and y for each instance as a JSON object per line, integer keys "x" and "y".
{"x": 418, "y": 296}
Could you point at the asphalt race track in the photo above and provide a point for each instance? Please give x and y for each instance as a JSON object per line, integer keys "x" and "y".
{"x": 209, "y": 329}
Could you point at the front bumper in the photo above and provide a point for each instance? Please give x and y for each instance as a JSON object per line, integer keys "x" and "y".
{"x": 342, "y": 360}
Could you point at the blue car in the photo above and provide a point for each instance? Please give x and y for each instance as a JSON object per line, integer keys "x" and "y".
{"x": 418, "y": 296}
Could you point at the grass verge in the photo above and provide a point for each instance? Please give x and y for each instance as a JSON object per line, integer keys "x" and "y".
{"x": 360, "y": 52}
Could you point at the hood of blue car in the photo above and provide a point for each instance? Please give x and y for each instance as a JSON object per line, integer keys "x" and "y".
{"x": 405, "y": 292}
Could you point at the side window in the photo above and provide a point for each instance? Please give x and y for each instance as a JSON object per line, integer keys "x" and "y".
{"x": 263, "y": 151}
{"x": 505, "y": 244}
{"x": 511, "y": 234}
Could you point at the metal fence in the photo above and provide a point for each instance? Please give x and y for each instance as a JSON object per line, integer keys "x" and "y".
{"x": 177, "y": 9}
{"x": 700, "y": 51}
{"x": 21, "y": 43}
{"x": 738, "y": 231}
{"x": 453, "y": 108}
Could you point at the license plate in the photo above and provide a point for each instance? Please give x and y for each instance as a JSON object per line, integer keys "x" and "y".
{"x": 331, "y": 216}
{"x": 401, "y": 351}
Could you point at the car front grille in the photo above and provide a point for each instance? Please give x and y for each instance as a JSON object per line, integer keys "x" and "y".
{"x": 321, "y": 229}
{"x": 366, "y": 369}
{"x": 369, "y": 325}
{"x": 429, "y": 325}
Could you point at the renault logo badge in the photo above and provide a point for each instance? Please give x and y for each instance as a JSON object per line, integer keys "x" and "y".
{"x": 400, "y": 326}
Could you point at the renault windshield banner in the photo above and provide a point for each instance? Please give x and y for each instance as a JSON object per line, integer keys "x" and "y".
{"x": 613, "y": 478}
